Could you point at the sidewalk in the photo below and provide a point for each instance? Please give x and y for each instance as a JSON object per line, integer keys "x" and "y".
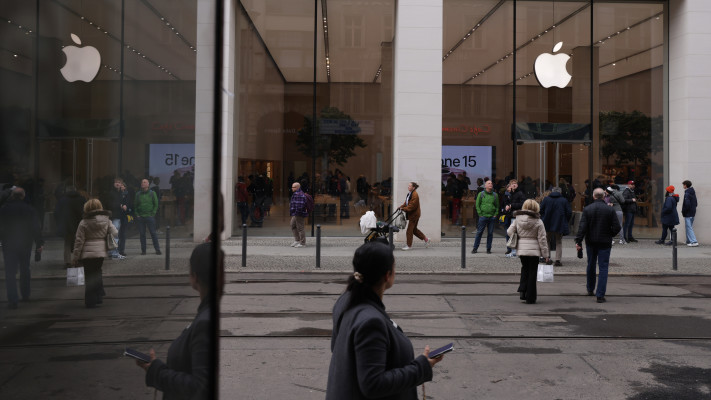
{"x": 273, "y": 254}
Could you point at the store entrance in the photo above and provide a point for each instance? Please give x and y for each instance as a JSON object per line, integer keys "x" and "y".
{"x": 80, "y": 162}
{"x": 544, "y": 165}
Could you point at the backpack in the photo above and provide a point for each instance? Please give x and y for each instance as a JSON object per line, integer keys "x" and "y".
{"x": 309, "y": 203}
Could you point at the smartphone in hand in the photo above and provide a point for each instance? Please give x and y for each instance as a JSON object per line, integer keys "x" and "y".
{"x": 128, "y": 352}
{"x": 436, "y": 353}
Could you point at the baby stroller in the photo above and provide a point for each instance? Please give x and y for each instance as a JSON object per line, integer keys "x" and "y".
{"x": 380, "y": 229}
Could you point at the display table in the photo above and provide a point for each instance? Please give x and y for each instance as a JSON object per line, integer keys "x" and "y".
{"x": 327, "y": 200}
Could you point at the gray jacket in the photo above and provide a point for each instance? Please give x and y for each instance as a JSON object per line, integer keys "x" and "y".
{"x": 371, "y": 356}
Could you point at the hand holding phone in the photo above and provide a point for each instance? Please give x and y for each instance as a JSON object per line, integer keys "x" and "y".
{"x": 437, "y": 353}
{"x": 143, "y": 357}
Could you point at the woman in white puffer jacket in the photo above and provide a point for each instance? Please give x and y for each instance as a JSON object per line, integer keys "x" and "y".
{"x": 90, "y": 248}
{"x": 531, "y": 246}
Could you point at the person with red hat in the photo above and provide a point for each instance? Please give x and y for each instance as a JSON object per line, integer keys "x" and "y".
{"x": 670, "y": 217}
{"x": 629, "y": 208}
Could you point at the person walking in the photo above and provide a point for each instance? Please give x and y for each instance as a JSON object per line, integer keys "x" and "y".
{"x": 146, "y": 207}
{"x": 629, "y": 209}
{"x": 90, "y": 248}
{"x": 555, "y": 213}
{"x": 411, "y": 207}
{"x": 487, "y": 207}
{"x": 616, "y": 201}
{"x": 530, "y": 247}
{"x": 118, "y": 206}
{"x": 371, "y": 357}
{"x": 512, "y": 202}
{"x": 670, "y": 216}
{"x": 185, "y": 373}
{"x": 19, "y": 228}
{"x": 688, "y": 211}
{"x": 598, "y": 225}
{"x": 298, "y": 212}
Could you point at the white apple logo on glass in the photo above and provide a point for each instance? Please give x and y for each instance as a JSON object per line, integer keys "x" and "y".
{"x": 550, "y": 69}
{"x": 83, "y": 63}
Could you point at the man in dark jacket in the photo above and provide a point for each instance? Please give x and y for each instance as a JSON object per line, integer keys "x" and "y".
{"x": 629, "y": 209}
{"x": 68, "y": 213}
{"x": 513, "y": 201}
{"x": 688, "y": 211}
{"x": 598, "y": 225}
{"x": 19, "y": 227}
{"x": 555, "y": 214}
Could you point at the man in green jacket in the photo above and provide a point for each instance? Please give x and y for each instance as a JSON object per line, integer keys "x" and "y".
{"x": 487, "y": 207}
{"x": 146, "y": 207}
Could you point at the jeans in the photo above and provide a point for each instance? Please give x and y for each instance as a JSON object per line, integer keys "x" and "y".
{"x": 627, "y": 227}
{"x": 688, "y": 223}
{"x": 602, "y": 258}
{"x": 14, "y": 259}
{"x": 151, "y": 223}
{"x": 619, "y": 218}
{"x": 117, "y": 223}
{"x": 485, "y": 222}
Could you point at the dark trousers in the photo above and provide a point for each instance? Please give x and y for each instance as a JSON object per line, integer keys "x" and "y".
{"x": 627, "y": 227}
{"x": 17, "y": 259}
{"x": 122, "y": 236}
{"x": 149, "y": 222}
{"x": 601, "y": 256}
{"x": 488, "y": 223}
{"x": 529, "y": 274}
{"x": 93, "y": 281}
{"x": 243, "y": 210}
{"x": 666, "y": 227}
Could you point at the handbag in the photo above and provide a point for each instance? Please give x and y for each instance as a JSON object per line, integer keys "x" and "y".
{"x": 545, "y": 273}
{"x": 75, "y": 276}
{"x": 513, "y": 241}
{"x": 110, "y": 241}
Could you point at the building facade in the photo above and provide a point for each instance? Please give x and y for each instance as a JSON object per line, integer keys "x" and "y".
{"x": 356, "y": 99}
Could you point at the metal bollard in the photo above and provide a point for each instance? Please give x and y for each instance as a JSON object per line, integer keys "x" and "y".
{"x": 244, "y": 245}
{"x": 390, "y": 236}
{"x": 167, "y": 247}
{"x": 318, "y": 246}
{"x": 464, "y": 247}
{"x": 673, "y": 239}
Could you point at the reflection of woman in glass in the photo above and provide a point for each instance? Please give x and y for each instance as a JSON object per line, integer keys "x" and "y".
{"x": 90, "y": 248}
{"x": 411, "y": 206}
{"x": 184, "y": 375}
{"x": 371, "y": 356}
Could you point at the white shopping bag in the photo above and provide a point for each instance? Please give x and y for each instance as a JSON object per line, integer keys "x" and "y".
{"x": 367, "y": 221}
{"x": 545, "y": 273}
{"x": 75, "y": 276}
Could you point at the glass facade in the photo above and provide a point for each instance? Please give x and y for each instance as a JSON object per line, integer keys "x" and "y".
{"x": 592, "y": 116}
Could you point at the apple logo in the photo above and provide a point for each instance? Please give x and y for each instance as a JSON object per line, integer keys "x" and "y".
{"x": 83, "y": 63}
{"x": 550, "y": 69}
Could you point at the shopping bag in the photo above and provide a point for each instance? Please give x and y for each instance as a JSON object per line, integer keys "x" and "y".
{"x": 75, "y": 276}
{"x": 400, "y": 220}
{"x": 367, "y": 222}
{"x": 545, "y": 273}
{"x": 111, "y": 242}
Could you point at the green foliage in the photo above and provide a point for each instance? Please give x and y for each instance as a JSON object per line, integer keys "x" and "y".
{"x": 335, "y": 148}
{"x": 628, "y": 137}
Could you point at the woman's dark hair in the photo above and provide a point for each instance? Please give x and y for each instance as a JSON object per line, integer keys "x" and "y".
{"x": 372, "y": 261}
{"x": 415, "y": 185}
{"x": 201, "y": 265}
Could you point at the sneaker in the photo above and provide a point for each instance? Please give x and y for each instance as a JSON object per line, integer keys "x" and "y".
{"x": 474, "y": 251}
{"x": 601, "y": 299}
{"x": 557, "y": 263}
{"x": 669, "y": 243}
{"x": 119, "y": 257}
{"x": 158, "y": 252}
{"x": 622, "y": 241}
{"x": 427, "y": 242}
{"x": 695, "y": 244}
{"x": 510, "y": 255}
{"x": 659, "y": 242}
{"x": 294, "y": 244}
{"x": 298, "y": 245}
{"x": 513, "y": 253}
{"x": 488, "y": 251}
{"x": 632, "y": 240}
{"x": 508, "y": 251}
{"x": 406, "y": 248}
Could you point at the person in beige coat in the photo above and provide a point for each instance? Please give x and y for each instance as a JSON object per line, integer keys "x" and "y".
{"x": 531, "y": 246}
{"x": 90, "y": 248}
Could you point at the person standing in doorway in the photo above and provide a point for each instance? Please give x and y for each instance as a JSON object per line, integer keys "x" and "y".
{"x": 298, "y": 212}
{"x": 629, "y": 208}
{"x": 146, "y": 206}
{"x": 411, "y": 207}
{"x": 688, "y": 211}
{"x": 555, "y": 213}
{"x": 487, "y": 207}
{"x": 598, "y": 225}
